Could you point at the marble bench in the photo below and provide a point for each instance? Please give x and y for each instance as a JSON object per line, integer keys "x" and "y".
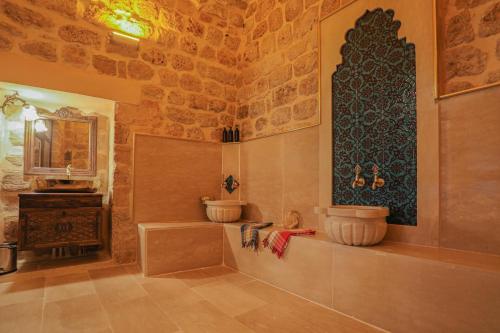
{"x": 179, "y": 246}
{"x": 397, "y": 287}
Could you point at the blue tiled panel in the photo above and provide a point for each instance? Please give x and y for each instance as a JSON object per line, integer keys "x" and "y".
{"x": 374, "y": 112}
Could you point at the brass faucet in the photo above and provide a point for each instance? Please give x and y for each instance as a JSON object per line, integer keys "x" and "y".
{"x": 377, "y": 181}
{"x": 68, "y": 171}
{"x": 359, "y": 181}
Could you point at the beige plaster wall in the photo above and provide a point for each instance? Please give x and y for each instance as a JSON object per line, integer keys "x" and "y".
{"x": 170, "y": 177}
{"x": 280, "y": 174}
{"x": 470, "y": 171}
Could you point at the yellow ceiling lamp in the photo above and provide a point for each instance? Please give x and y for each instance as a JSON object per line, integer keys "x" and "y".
{"x": 122, "y": 21}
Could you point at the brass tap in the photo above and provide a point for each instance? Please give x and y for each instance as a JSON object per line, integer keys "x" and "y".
{"x": 68, "y": 171}
{"x": 377, "y": 181}
{"x": 359, "y": 181}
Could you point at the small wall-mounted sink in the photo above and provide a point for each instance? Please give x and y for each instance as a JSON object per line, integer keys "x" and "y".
{"x": 64, "y": 186}
{"x": 224, "y": 211}
{"x": 355, "y": 225}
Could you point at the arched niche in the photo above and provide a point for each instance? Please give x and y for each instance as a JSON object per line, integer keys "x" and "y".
{"x": 375, "y": 117}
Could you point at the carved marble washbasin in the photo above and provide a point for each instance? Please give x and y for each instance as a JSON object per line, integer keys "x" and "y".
{"x": 64, "y": 186}
{"x": 224, "y": 211}
{"x": 356, "y": 225}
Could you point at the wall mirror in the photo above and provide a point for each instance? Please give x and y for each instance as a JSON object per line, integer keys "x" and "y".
{"x": 60, "y": 143}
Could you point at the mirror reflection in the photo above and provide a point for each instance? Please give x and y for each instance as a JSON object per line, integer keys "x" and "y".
{"x": 59, "y": 143}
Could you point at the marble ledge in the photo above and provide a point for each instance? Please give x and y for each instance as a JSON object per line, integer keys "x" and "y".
{"x": 475, "y": 260}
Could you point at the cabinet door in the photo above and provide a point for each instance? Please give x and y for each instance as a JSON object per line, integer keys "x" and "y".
{"x": 59, "y": 227}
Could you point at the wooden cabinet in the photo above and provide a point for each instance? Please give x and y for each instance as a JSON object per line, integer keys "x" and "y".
{"x": 49, "y": 220}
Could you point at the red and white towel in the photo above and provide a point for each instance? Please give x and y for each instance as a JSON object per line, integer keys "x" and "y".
{"x": 277, "y": 241}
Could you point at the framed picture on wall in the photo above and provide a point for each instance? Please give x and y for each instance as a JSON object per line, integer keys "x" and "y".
{"x": 468, "y": 45}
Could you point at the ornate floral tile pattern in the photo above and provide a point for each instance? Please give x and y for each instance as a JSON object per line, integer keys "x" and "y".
{"x": 374, "y": 111}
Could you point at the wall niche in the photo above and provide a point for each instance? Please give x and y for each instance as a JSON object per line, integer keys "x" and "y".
{"x": 374, "y": 117}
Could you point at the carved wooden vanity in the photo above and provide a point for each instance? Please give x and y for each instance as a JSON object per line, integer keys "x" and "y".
{"x": 49, "y": 220}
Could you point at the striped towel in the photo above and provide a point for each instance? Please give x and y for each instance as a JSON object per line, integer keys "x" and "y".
{"x": 277, "y": 241}
{"x": 250, "y": 234}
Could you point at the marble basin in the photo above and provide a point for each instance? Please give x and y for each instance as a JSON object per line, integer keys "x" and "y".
{"x": 224, "y": 211}
{"x": 356, "y": 225}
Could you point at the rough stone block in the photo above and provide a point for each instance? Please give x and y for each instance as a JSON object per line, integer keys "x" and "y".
{"x": 42, "y": 50}
{"x": 188, "y": 45}
{"x": 281, "y": 116}
{"x": 65, "y": 7}
{"x": 176, "y": 98}
{"x": 25, "y": 16}
{"x": 280, "y": 75}
{"x": 168, "y": 78}
{"x": 198, "y": 102}
{"x": 465, "y": 60}
{"x": 190, "y": 83}
{"x": 104, "y": 65}
{"x": 285, "y": 94}
{"x": 155, "y": 56}
{"x": 490, "y": 22}
{"x": 293, "y": 9}
{"x": 195, "y": 133}
{"x": 329, "y": 6}
{"x": 76, "y": 55}
{"x": 180, "y": 116}
{"x": 305, "y": 109}
{"x": 260, "y": 124}
{"x": 153, "y": 92}
{"x": 207, "y": 120}
{"x": 5, "y": 44}
{"x": 275, "y": 19}
{"x": 459, "y": 30}
{"x": 75, "y": 34}
{"x": 181, "y": 63}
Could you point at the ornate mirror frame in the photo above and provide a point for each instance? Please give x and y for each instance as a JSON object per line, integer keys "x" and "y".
{"x": 67, "y": 114}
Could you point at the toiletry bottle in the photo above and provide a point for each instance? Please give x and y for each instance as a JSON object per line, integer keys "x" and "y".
{"x": 230, "y": 135}
{"x": 237, "y": 134}
{"x": 224, "y": 135}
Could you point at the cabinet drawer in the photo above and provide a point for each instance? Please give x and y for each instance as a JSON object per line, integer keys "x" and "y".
{"x": 59, "y": 227}
{"x": 59, "y": 201}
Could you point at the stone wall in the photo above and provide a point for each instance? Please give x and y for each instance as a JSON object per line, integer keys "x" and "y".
{"x": 186, "y": 70}
{"x": 279, "y": 64}
{"x": 469, "y": 43}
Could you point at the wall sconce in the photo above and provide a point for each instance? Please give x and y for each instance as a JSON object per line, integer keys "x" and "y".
{"x": 40, "y": 126}
{"x": 29, "y": 111}
{"x": 119, "y": 38}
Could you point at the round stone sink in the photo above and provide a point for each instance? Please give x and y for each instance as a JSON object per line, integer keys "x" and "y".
{"x": 356, "y": 225}
{"x": 224, "y": 211}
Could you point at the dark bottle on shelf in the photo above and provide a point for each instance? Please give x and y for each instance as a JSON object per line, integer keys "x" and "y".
{"x": 230, "y": 135}
{"x": 237, "y": 134}
{"x": 224, "y": 135}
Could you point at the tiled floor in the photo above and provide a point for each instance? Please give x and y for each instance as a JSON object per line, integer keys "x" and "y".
{"x": 104, "y": 297}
